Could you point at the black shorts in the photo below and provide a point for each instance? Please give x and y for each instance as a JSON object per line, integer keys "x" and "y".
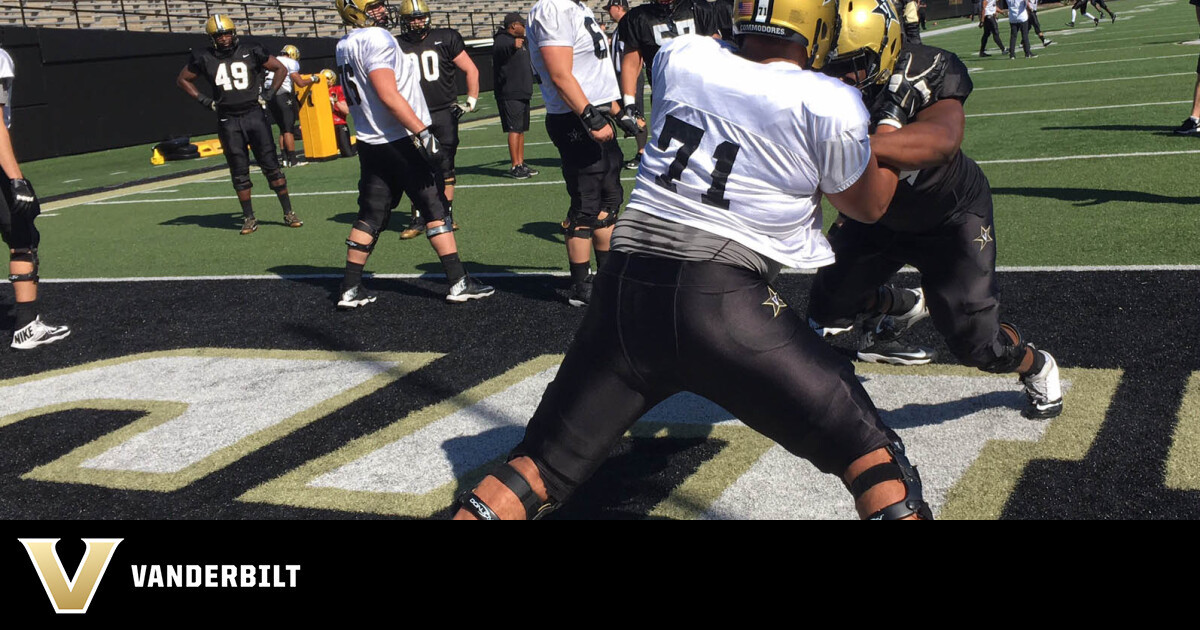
{"x": 514, "y": 115}
{"x": 283, "y": 110}
{"x": 445, "y": 129}
{"x": 17, "y": 231}
{"x": 390, "y": 171}
{"x": 250, "y": 129}
{"x": 656, "y": 327}
{"x": 957, "y": 261}
{"x": 592, "y": 170}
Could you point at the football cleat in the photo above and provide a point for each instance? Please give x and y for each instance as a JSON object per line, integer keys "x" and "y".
{"x": 517, "y": 172}
{"x": 1047, "y": 43}
{"x": 1043, "y": 390}
{"x": 1071, "y": 23}
{"x": 249, "y": 225}
{"x": 1095, "y": 21}
{"x": 291, "y": 220}
{"x": 632, "y": 165}
{"x": 895, "y": 353}
{"x": 468, "y": 288}
{"x": 412, "y": 231}
{"x": 1189, "y": 127}
{"x": 1114, "y": 18}
{"x": 900, "y": 323}
{"x": 984, "y": 54}
{"x": 532, "y": 172}
{"x": 38, "y": 333}
{"x": 1031, "y": 55}
{"x": 581, "y": 293}
{"x": 355, "y": 297}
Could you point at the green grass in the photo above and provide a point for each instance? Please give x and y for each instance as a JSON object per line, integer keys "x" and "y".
{"x": 1108, "y": 211}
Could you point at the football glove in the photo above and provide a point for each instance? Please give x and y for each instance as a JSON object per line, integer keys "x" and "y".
{"x": 429, "y": 148}
{"x": 206, "y": 102}
{"x": 457, "y": 111}
{"x": 630, "y": 120}
{"x": 592, "y": 118}
{"x": 24, "y": 199}
{"x": 471, "y": 102}
{"x": 267, "y": 97}
{"x": 897, "y": 104}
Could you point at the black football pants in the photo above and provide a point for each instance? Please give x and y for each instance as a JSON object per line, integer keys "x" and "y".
{"x": 251, "y": 129}
{"x": 990, "y": 27}
{"x": 17, "y": 230}
{"x": 592, "y": 170}
{"x": 656, "y": 327}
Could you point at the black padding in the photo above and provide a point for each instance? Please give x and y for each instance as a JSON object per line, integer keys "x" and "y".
{"x": 515, "y": 481}
{"x": 1011, "y": 353}
{"x": 580, "y": 225}
{"x": 277, "y": 181}
{"x": 874, "y": 476}
{"x": 914, "y": 500}
{"x": 450, "y": 177}
{"x": 242, "y": 182}
{"x": 360, "y": 247}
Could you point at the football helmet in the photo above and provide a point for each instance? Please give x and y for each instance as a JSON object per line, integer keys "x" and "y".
{"x": 810, "y": 23}
{"x": 330, "y": 77}
{"x": 291, "y": 51}
{"x": 218, "y": 25}
{"x": 358, "y": 12}
{"x": 411, "y": 11}
{"x": 867, "y": 43}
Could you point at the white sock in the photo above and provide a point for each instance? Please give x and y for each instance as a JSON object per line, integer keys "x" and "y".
{"x": 1089, "y": 16}
{"x": 1072, "y": 15}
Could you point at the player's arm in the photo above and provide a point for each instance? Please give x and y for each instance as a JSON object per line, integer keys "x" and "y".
{"x": 278, "y": 70}
{"x": 560, "y": 61}
{"x": 931, "y": 139}
{"x": 342, "y": 108}
{"x": 471, "y": 73}
{"x": 187, "y": 82}
{"x": 8, "y": 158}
{"x": 867, "y": 199}
{"x": 384, "y": 82}
{"x": 303, "y": 80}
{"x": 631, "y": 66}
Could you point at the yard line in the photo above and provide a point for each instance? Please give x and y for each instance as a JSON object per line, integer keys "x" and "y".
{"x": 1088, "y": 157}
{"x": 1086, "y": 63}
{"x": 1118, "y": 39}
{"x": 71, "y": 181}
{"x": 563, "y": 274}
{"x": 1078, "y": 109}
{"x": 1031, "y": 85}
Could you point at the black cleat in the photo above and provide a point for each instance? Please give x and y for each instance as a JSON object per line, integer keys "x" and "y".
{"x": 1189, "y": 127}
{"x": 895, "y": 353}
{"x": 581, "y": 293}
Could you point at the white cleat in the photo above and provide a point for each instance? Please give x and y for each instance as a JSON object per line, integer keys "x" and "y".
{"x": 1043, "y": 390}
{"x": 38, "y": 333}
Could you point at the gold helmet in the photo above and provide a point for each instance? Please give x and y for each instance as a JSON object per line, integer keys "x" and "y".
{"x": 411, "y": 11}
{"x": 291, "y": 51}
{"x": 330, "y": 77}
{"x": 810, "y": 23}
{"x": 218, "y": 25}
{"x": 355, "y": 12}
{"x": 867, "y": 43}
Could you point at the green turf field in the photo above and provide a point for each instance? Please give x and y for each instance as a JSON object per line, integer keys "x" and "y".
{"x": 1076, "y": 144}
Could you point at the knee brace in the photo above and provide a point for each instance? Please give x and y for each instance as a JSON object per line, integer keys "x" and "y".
{"x": 607, "y": 221}
{"x": 1012, "y": 354}
{"x": 899, "y": 469}
{"x": 242, "y": 182}
{"x": 535, "y": 508}
{"x": 450, "y": 178}
{"x": 363, "y": 226}
{"x": 28, "y": 255}
{"x": 276, "y": 176}
{"x": 446, "y": 226}
{"x": 580, "y": 225}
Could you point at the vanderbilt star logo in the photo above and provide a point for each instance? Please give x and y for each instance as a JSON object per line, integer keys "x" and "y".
{"x": 884, "y": 8}
{"x": 775, "y": 302}
{"x": 985, "y": 237}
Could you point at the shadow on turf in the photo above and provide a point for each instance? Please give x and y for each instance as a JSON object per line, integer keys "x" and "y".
{"x": 542, "y": 289}
{"x": 545, "y": 230}
{"x": 1094, "y": 197}
{"x": 217, "y": 221}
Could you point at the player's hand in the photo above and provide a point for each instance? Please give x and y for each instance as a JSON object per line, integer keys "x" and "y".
{"x": 24, "y": 199}
{"x": 429, "y": 148}
{"x": 896, "y": 105}
{"x": 600, "y": 126}
{"x": 629, "y": 118}
{"x": 520, "y": 43}
{"x": 206, "y": 102}
{"x": 457, "y": 111}
{"x": 472, "y": 102}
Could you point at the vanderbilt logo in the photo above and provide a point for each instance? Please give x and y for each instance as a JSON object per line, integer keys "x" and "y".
{"x": 74, "y": 596}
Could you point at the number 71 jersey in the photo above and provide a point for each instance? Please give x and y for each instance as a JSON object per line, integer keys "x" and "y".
{"x": 236, "y": 77}
{"x": 744, "y": 150}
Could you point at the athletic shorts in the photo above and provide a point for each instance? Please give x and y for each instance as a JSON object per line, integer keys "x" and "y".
{"x": 514, "y": 115}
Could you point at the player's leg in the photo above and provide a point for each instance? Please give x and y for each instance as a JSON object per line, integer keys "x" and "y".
{"x": 612, "y": 194}
{"x": 286, "y": 106}
{"x": 446, "y": 126}
{"x": 1013, "y": 30}
{"x": 958, "y": 272}
{"x": 583, "y": 167}
{"x": 507, "y": 125}
{"x": 743, "y": 348}
{"x": 263, "y": 144}
{"x": 1191, "y": 124}
{"x": 345, "y": 147}
{"x": 1024, "y": 26}
{"x": 233, "y": 145}
{"x": 995, "y": 27}
{"x": 22, "y": 238}
{"x": 378, "y": 194}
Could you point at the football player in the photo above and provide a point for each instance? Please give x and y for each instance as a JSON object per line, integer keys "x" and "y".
{"x": 1101, "y": 5}
{"x": 745, "y": 144}
{"x": 987, "y": 22}
{"x": 340, "y": 110}
{"x": 284, "y": 108}
{"x": 397, "y": 151}
{"x": 234, "y": 70}
{"x": 1034, "y": 24}
{"x": 1080, "y": 6}
{"x": 571, "y": 54}
{"x": 939, "y": 221}
{"x": 19, "y": 207}
{"x": 440, "y": 54}
{"x": 617, "y": 10}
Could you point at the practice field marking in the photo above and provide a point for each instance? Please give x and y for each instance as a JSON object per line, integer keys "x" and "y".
{"x": 71, "y": 181}
{"x": 1183, "y": 460}
{"x": 1119, "y": 39}
{"x": 1077, "y": 109}
{"x": 1032, "y": 85}
{"x": 203, "y": 408}
{"x": 1086, "y": 63}
{"x": 1089, "y": 157}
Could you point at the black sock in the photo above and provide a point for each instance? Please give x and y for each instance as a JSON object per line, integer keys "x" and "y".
{"x": 1039, "y": 362}
{"x": 247, "y": 208}
{"x": 26, "y": 312}
{"x": 600, "y": 258}
{"x": 902, "y": 301}
{"x": 453, "y": 266}
{"x": 285, "y": 201}
{"x": 354, "y": 272}
{"x": 580, "y": 271}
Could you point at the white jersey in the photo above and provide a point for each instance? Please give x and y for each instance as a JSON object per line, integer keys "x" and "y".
{"x": 1017, "y": 11}
{"x": 360, "y": 52}
{"x": 7, "y": 73}
{"x": 750, "y": 147}
{"x": 290, "y": 65}
{"x": 989, "y": 8}
{"x": 569, "y": 23}
{"x": 1033, "y": 4}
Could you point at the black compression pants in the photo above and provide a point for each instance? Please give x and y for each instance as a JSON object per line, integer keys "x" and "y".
{"x": 990, "y": 27}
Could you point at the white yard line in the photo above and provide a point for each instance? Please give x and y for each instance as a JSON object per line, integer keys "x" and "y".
{"x": 1085, "y": 63}
{"x": 1088, "y": 157}
{"x": 1033, "y": 85}
{"x": 1078, "y": 109}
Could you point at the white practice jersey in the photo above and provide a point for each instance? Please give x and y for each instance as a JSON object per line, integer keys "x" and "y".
{"x": 7, "y": 72}
{"x": 569, "y": 23}
{"x": 360, "y": 52}
{"x": 290, "y": 65}
{"x": 744, "y": 150}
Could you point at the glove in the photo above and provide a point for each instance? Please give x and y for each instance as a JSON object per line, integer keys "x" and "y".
{"x": 429, "y": 148}
{"x": 206, "y": 102}
{"x": 593, "y": 119}
{"x": 471, "y": 102}
{"x": 630, "y": 120}
{"x": 457, "y": 111}
{"x": 24, "y": 199}
{"x": 897, "y": 104}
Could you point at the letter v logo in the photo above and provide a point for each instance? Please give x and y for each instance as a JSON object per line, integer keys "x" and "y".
{"x": 75, "y": 596}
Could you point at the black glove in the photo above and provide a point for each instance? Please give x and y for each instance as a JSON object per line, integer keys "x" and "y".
{"x": 206, "y": 102}
{"x": 24, "y": 199}
{"x": 429, "y": 148}
{"x": 897, "y": 104}
{"x": 593, "y": 119}
{"x": 267, "y": 97}
{"x": 630, "y": 120}
{"x": 457, "y": 111}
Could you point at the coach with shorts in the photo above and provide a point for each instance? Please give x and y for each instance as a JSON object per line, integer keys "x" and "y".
{"x": 513, "y": 87}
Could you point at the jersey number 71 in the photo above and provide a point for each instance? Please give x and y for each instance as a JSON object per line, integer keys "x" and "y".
{"x": 689, "y": 137}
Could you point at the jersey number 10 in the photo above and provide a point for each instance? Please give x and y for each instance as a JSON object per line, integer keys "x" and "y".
{"x": 689, "y": 136}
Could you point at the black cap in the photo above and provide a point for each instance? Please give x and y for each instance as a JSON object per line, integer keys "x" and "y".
{"x": 513, "y": 18}
{"x": 624, "y": 4}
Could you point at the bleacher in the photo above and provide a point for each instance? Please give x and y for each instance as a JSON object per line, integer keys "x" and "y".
{"x": 318, "y": 18}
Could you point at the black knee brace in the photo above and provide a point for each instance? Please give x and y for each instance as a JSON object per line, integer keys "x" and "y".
{"x": 363, "y": 226}
{"x": 446, "y": 226}
{"x": 28, "y": 255}
{"x": 535, "y": 508}
{"x": 450, "y": 178}
{"x": 607, "y": 221}
{"x": 242, "y": 182}
{"x": 897, "y": 470}
{"x": 1013, "y": 353}
{"x": 580, "y": 225}
{"x": 277, "y": 176}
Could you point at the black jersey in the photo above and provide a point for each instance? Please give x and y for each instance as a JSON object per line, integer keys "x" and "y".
{"x": 435, "y": 56}
{"x": 648, "y": 26}
{"x": 236, "y": 75}
{"x": 925, "y": 198}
